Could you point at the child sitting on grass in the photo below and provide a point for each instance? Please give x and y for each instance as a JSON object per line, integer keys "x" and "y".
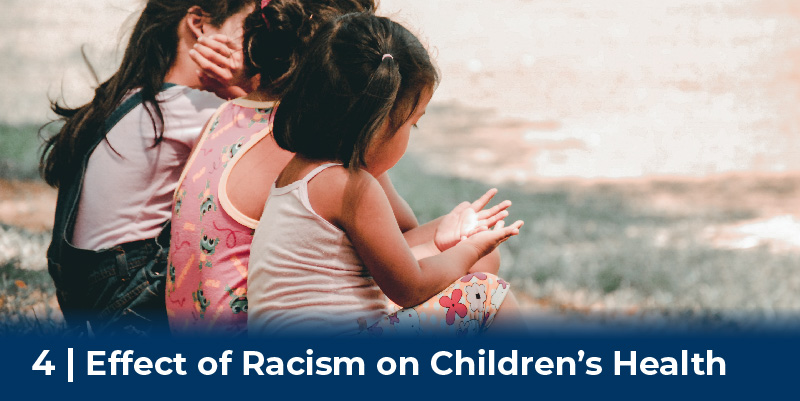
{"x": 328, "y": 247}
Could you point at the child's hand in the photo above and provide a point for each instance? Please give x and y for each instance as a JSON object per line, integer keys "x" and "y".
{"x": 221, "y": 65}
{"x": 486, "y": 241}
{"x": 467, "y": 219}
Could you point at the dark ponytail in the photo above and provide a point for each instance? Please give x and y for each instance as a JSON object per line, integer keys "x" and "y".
{"x": 150, "y": 53}
{"x": 361, "y": 72}
{"x": 276, "y": 36}
{"x": 366, "y": 57}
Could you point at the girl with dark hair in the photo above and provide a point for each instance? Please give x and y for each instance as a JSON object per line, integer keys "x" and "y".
{"x": 216, "y": 205}
{"x": 116, "y": 162}
{"x": 329, "y": 247}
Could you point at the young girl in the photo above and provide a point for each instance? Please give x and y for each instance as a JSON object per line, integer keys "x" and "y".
{"x": 328, "y": 246}
{"x": 116, "y": 162}
{"x": 212, "y": 225}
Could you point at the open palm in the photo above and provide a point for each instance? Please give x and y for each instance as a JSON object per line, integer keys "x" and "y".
{"x": 467, "y": 219}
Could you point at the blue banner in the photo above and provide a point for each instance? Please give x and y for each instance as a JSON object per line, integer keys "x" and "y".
{"x": 588, "y": 364}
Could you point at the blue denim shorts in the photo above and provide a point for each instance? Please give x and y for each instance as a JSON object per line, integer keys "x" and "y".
{"x": 117, "y": 291}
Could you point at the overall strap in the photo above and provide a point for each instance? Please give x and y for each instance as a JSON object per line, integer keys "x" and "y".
{"x": 125, "y": 108}
{"x": 118, "y": 114}
{"x": 69, "y": 195}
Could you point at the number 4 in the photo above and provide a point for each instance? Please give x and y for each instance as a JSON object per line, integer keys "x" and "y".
{"x": 48, "y": 367}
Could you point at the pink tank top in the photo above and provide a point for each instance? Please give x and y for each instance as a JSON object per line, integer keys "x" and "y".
{"x": 210, "y": 246}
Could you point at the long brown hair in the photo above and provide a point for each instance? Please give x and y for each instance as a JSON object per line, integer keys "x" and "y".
{"x": 150, "y": 53}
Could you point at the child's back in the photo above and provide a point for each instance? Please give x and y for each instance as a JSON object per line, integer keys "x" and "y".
{"x": 313, "y": 280}
{"x": 210, "y": 247}
{"x": 214, "y": 214}
{"x": 128, "y": 184}
{"x": 115, "y": 162}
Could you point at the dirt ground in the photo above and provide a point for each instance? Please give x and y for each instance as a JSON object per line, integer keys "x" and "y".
{"x": 763, "y": 196}
{"x": 27, "y": 204}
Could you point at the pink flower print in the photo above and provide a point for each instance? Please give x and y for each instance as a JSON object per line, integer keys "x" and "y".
{"x": 453, "y": 306}
{"x": 503, "y": 283}
{"x": 393, "y": 319}
{"x": 476, "y": 296}
{"x": 468, "y": 277}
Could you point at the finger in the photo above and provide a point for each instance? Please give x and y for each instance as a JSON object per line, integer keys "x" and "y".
{"x": 484, "y": 200}
{"x": 499, "y": 226}
{"x": 220, "y": 42}
{"x": 226, "y": 47}
{"x": 222, "y": 58}
{"x": 495, "y": 209}
{"x": 489, "y": 222}
{"x": 214, "y": 52}
{"x": 211, "y": 69}
{"x": 510, "y": 231}
{"x": 517, "y": 225}
{"x": 477, "y": 230}
{"x": 501, "y": 236}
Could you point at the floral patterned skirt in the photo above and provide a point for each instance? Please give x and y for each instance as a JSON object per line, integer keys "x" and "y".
{"x": 465, "y": 308}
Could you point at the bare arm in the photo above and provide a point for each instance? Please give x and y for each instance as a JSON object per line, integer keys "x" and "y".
{"x": 402, "y": 212}
{"x": 367, "y": 218}
{"x": 422, "y": 239}
{"x": 422, "y": 234}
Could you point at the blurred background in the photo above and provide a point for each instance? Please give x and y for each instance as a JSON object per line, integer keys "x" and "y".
{"x": 651, "y": 146}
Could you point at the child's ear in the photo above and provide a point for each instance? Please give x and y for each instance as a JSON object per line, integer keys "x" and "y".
{"x": 195, "y": 21}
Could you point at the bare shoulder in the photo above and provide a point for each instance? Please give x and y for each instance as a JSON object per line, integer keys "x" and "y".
{"x": 251, "y": 175}
{"x": 336, "y": 191}
{"x": 343, "y": 183}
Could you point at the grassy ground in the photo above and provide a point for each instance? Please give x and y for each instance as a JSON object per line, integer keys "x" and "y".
{"x": 27, "y": 301}
{"x": 27, "y": 294}
{"x": 602, "y": 249}
{"x": 18, "y": 156}
{"x": 636, "y": 247}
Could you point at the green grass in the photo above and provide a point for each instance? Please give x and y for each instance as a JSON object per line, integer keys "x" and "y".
{"x": 19, "y": 151}
{"x": 598, "y": 248}
{"x": 27, "y": 302}
{"x": 602, "y": 247}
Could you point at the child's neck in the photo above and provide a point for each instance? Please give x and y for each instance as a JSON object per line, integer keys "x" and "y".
{"x": 260, "y": 96}
{"x": 184, "y": 69}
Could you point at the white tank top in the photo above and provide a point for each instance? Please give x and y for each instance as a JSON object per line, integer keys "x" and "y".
{"x": 305, "y": 276}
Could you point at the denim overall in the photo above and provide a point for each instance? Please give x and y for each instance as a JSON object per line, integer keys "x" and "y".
{"x": 119, "y": 290}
